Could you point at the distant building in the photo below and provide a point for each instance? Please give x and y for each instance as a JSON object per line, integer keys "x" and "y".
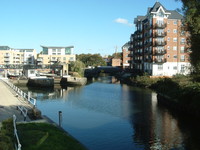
{"x": 126, "y": 54}
{"x": 12, "y": 56}
{"x": 53, "y": 54}
{"x": 158, "y": 45}
{"x": 116, "y": 62}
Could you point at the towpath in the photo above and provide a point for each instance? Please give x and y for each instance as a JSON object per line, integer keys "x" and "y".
{"x": 9, "y": 102}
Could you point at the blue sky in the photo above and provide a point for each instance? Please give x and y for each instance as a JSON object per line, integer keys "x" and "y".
{"x": 91, "y": 26}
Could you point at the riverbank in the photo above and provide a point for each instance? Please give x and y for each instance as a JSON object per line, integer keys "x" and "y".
{"x": 181, "y": 93}
{"x": 9, "y": 103}
{"x": 34, "y": 136}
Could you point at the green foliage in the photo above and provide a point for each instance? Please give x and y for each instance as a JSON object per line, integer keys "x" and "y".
{"x": 91, "y": 59}
{"x": 6, "y": 135}
{"x": 45, "y": 136}
{"x": 192, "y": 24}
{"x": 77, "y": 67}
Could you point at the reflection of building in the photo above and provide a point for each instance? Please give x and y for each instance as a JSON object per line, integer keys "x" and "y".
{"x": 159, "y": 43}
{"x": 153, "y": 127}
{"x": 9, "y": 56}
{"x": 51, "y": 55}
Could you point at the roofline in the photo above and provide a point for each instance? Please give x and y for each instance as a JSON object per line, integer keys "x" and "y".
{"x": 57, "y": 46}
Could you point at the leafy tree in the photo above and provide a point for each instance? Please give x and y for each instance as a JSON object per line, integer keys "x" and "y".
{"x": 91, "y": 59}
{"x": 77, "y": 66}
{"x": 192, "y": 24}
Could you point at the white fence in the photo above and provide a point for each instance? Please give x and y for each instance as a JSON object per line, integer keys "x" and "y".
{"x": 17, "y": 144}
{"x": 21, "y": 93}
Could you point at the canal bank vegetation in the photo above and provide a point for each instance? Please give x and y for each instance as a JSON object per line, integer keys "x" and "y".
{"x": 180, "y": 92}
{"x": 35, "y": 136}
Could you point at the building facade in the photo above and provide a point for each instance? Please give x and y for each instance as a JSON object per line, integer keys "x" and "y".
{"x": 12, "y": 56}
{"x": 159, "y": 45}
{"x": 126, "y": 55}
{"x": 52, "y": 55}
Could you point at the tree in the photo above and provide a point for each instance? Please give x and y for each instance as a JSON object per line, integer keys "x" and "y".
{"x": 192, "y": 24}
{"x": 77, "y": 66}
{"x": 91, "y": 59}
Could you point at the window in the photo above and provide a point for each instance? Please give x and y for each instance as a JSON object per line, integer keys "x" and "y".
{"x": 175, "y": 67}
{"x": 168, "y": 39}
{"x": 174, "y": 39}
{"x": 175, "y": 56}
{"x": 64, "y": 58}
{"x": 175, "y": 22}
{"x": 168, "y": 30}
{"x": 183, "y": 41}
{"x": 174, "y": 48}
{"x": 168, "y": 47}
{"x": 182, "y": 57}
{"x": 53, "y": 50}
{"x": 175, "y": 30}
{"x": 71, "y": 58}
{"x": 67, "y": 50}
{"x": 182, "y": 68}
{"x": 160, "y": 67}
{"x": 182, "y": 49}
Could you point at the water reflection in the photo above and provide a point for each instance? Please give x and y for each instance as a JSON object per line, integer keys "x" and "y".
{"x": 115, "y": 116}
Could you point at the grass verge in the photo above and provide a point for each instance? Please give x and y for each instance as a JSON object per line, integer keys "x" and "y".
{"x": 44, "y": 136}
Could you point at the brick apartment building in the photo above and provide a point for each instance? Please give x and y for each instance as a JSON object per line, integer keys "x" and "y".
{"x": 158, "y": 46}
{"x": 126, "y": 55}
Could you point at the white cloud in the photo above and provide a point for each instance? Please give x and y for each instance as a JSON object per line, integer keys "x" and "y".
{"x": 123, "y": 21}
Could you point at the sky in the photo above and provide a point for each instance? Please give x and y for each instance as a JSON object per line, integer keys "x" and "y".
{"x": 91, "y": 26}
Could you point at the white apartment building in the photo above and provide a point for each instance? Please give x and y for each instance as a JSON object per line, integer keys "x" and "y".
{"x": 13, "y": 56}
{"x": 55, "y": 54}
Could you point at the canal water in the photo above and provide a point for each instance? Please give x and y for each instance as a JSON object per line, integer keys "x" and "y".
{"x": 107, "y": 115}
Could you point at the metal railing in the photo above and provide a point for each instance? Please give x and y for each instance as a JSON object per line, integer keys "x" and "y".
{"x": 21, "y": 93}
{"x": 23, "y": 110}
{"x": 17, "y": 144}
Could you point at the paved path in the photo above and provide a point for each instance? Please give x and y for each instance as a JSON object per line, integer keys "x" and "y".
{"x": 9, "y": 103}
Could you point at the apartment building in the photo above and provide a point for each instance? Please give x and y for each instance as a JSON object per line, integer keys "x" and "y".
{"x": 126, "y": 55}
{"x": 53, "y": 54}
{"x": 12, "y": 56}
{"x": 159, "y": 45}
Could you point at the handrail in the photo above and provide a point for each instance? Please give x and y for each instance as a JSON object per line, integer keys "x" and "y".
{"x": 24, "y": 111}
{"x": 19, "y": 92}
{"x": 17, "y": 145}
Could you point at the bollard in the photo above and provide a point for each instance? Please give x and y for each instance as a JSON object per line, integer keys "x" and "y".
{"x": 60, "y": 118}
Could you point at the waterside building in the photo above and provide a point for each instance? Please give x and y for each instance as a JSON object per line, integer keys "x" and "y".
{"x": 158, "y": 46}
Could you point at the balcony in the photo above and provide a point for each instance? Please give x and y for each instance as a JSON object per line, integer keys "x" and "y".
{"x": 159, "y": 25}
{"x": 138, "y": 61}
{"x": 148, "y": 44}
{"x": 159, "y": 52}
{"x": 6, "y": 60}
{"x": 162, "y": 60}
{"x": 130, "y": 55}
{"x": 138, "y": 53}
{"x": 39, "y": 59}
{"x": 159, "y": 43}
{"x": 148, "y": 60}
{"x": 138, "y": 32}
{"x": 156, "y": 34}
{"x": 6, "y": 55}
